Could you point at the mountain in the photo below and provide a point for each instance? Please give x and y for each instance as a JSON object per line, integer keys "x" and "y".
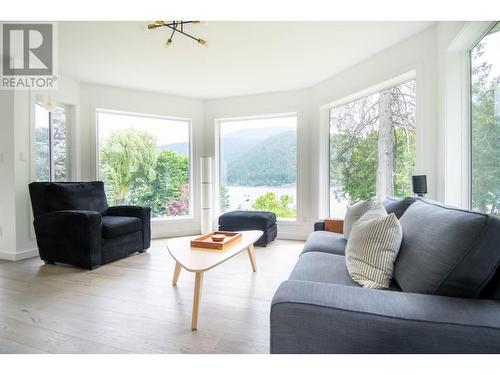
{"x": 182, "y": 148}
{"x": 271, "y": 162}
{"x": 234, "y": 144}
{"x": 237, "y": 143}
{"x": 254, "y": 157}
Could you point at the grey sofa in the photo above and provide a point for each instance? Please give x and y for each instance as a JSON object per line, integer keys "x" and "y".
{"x": 445, "y": 297}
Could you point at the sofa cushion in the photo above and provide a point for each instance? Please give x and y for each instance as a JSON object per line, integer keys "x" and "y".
{"x": 322, "y": 268}
{"x": 87, "y": 196}
{"x": 116, "y": 226}
{"x": 246, "y": 220}
{"x": 398, "y": 206}
{"x": 325, "y": 268}
{"x": 446, "y": 250}
{"x": 325, "y": 242}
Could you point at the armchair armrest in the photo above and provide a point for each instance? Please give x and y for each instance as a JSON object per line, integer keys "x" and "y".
{"x": 311, "y": 317}
{"x": 133, "y": 211}
{"x": 141, "y": 212}
{"x": 71, "y": 236}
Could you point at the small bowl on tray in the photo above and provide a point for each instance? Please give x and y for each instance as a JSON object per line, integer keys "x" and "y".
{"x": 218, "y": 237}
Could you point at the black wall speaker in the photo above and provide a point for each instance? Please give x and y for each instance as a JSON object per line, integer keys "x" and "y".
{"x": 419, "y": 184}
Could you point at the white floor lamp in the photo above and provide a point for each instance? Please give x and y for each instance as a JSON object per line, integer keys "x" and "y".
{"x": 206, "y": 193}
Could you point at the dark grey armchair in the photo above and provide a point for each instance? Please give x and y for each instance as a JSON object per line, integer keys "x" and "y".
{"x": 74, "y": 224}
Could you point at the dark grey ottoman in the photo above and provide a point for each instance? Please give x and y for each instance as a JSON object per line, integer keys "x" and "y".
{"x": 251, "y": 220}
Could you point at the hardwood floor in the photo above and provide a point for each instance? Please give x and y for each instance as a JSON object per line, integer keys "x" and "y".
{"x": 130, "y": 306}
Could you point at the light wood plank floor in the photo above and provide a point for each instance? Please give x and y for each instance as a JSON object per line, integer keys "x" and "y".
{"x": 130, "y": 306}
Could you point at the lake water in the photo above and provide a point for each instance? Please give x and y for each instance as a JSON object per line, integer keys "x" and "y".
{"x": 242, "y": 197}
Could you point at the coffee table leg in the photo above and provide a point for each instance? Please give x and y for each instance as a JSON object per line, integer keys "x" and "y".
{"x": 198, "y": 282}
{"x": 177, "y": 272}
{"x": 252, "y": 257}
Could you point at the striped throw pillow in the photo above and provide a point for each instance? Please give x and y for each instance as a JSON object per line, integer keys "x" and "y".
{"x": 372, "y": 248}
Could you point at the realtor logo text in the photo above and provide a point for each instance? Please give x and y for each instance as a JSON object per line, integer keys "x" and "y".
{"x": 28, "y": 56}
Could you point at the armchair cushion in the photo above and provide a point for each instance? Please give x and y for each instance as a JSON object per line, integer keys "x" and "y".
{"x": 140, "y": 212}
{"x": 88, "y": 196}
{"x": 116, "y": 226}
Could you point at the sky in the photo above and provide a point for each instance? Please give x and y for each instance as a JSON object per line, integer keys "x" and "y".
{"x": 492, "y": 52}
{"x": 166, "y": 131}
{"x": 228, "y": 127}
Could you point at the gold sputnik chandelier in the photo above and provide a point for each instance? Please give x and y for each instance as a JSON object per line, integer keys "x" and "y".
{"x": 176, "y": 27}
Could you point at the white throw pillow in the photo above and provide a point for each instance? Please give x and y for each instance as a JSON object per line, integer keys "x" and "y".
{"x": 372, "y": 249}
{"x": 355, "y": 212}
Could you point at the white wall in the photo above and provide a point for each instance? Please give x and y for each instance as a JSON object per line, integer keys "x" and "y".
{"x": 104, "y": 97}
{"x": 7, "y": 184}
{"x": 17, "y": 141}
{"x": 418, "y": 54}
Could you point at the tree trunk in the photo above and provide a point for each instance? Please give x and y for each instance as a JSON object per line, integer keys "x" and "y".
{"x": 385, "y": 182}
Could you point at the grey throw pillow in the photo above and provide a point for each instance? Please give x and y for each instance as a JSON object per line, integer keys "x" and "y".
{"x": 354, "y": 213}
{"x": 372, "y": 248}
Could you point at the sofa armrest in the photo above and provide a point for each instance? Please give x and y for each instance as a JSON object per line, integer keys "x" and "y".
{"x": 319, "y": 225}
{"x": 141, "y": 212}
{"x": 71, "y": 236}
{"x": 311, "y": 317}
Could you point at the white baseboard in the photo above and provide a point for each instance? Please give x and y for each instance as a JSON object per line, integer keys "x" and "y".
{"x": 24, "y": 254}
{"x": 158, "y": 234}
{"x": 292, "y": 236}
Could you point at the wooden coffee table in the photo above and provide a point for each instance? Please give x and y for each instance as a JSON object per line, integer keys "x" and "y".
{"x": 199, "y": 260}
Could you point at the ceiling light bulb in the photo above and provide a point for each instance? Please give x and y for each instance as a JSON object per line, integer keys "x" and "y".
{"x": 151, "y": 26}
{"x": 202, "y": 42}
{"x": 169, "y": 42}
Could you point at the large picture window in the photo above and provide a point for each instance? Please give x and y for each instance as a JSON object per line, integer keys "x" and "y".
{"x": 372, "y": 147}
{"x": 51, "y": 144}
{"x": 485, "y": 123}
{"x": 258, "y": 165}
{"x": 144, "y": 160}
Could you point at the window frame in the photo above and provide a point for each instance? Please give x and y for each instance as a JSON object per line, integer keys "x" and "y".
{"x": 189, "y": 121}
{"x": 217, "y": 176}
{"x": 468, "y": 79}
{"x": 326, "y": 119}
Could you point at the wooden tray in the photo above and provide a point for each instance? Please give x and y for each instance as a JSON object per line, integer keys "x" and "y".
{"x": 206, "y": 241}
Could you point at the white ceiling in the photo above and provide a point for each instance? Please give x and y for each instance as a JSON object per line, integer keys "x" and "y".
{"x": 241, "y": 57}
